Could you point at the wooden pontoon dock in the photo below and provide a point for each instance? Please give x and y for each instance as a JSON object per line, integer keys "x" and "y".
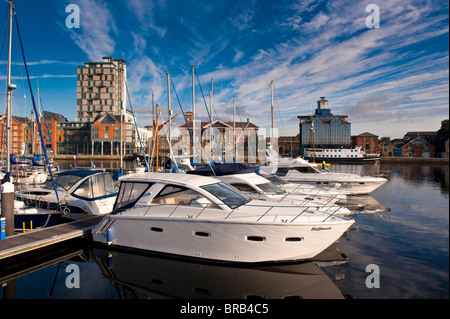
{"x": 38, "y": 239}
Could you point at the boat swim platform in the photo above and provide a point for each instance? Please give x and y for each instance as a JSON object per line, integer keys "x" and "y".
{"x": 29, "y": 242}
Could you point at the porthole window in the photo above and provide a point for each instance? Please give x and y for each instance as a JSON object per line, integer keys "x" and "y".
{"x": 202, "y": 234}
{"x": 256, "y": 238}
{"x": 293, "y": 239}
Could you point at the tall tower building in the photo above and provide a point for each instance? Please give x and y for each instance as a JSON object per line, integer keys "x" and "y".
{"x": 101, "y": 89}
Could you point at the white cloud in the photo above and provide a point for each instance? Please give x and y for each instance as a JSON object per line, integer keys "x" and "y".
{"x": 97, "y": 29}
{"x": 144, "y": 12}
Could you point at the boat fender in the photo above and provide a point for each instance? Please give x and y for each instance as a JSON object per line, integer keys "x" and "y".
{"x": 109, "y": 236}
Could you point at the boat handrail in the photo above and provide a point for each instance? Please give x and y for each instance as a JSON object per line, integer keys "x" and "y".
{"x": 264, "y": 213}
{"x": 304, "y": 209}
{"x": 333, "y": 213}
{"x": 299, "y": 214}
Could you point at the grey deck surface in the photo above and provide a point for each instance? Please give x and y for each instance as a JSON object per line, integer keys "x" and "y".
{"x": 39, "y": 238}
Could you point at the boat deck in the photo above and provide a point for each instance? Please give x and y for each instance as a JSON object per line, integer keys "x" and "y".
{"x": 41, "y": 238}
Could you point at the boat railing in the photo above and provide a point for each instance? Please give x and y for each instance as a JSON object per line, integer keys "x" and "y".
{"x": 332, "y": 214}
{"x": 320, "y": 188}
{"x": 328, "y": 210}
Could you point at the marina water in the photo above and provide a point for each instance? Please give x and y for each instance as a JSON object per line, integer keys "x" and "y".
{"x": 400, "y": 253}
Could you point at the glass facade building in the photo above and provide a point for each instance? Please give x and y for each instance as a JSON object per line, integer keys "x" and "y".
{"x": 323, "y": 129}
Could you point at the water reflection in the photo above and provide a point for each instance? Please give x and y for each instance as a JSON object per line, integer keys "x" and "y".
{"x": 141, "y": 276}
{"x": 436, "y": 174}
{"x": 409, "y": 243}
{"x": 415, "y": 173}
{"x": 126, "y": 275}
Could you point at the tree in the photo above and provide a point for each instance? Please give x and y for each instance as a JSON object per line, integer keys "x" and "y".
{"x": 444, "y": 128}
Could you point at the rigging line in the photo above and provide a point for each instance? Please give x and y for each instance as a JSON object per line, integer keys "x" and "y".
{"x": 277, "y": 110}
{"x": 239, "y": 113}
{"x": 171, "y": 155}
{"x": 209, "y": 116}
{"x": 135, "y": 125}
{"x": 255, "y": 111}
{"x": 3, "y": 37}
{"x": 46, "y": 126}
{"x": 185, "y": 120}
{"x": 35, "y": 109}
{"x": 22, "y": 79}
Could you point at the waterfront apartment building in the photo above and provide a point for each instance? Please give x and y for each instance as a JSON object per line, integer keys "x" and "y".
{"x": 101, "y": 88}
{"x": 60, "y": 136}
{"x": 18, "y": 137}
{"x": 368, "y": 142}
{"x": 105, "y": 135}
{"x": 323, "y": 129}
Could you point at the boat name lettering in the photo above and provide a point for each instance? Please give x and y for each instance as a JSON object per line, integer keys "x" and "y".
{"x": 320, "y": 228}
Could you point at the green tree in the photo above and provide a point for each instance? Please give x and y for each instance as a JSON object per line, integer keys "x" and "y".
{"x": 444, "y": 128}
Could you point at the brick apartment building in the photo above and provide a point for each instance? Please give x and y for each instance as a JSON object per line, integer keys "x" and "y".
{"x": 367, "y": 141}
{"x": 18, "y": 133}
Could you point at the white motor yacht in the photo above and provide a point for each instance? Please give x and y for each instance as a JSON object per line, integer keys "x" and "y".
{"x": 202, "y": 217}
{"x": 77, "y": 191}
{"x": 299, "y": 170}
{"x": 246, "y": 180}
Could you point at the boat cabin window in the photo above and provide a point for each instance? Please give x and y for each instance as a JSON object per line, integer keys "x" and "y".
{"x": 271, "y": 189}
{"x": 96, "y": 186}
{"x": 130, "y": 193}
{"x": 179, "y": 195}
{"x": 243, "y": 187}
{"x": 64, "y": 182}
{"x": 307, "y": 169}
{"x": 227, "y": 194}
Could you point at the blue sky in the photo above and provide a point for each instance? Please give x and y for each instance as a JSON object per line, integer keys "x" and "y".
{"x": 388, "y": 80}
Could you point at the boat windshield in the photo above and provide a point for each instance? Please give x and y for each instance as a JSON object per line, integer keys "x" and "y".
{"x": 271, "y": 189}
{"x": 64, "y": 182}
{"x": 227, "y": 194}
{"x": 271, "y": 177}
{"x": 308, "y": 169}
{"x": 129, "y": 194}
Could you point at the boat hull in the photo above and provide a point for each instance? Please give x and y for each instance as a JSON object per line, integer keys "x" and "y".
{"x": 353, "y": 186}
{"x": 35, "y": 220}
{"x": 342, "y": 160}
{"x": 221, "y": 241}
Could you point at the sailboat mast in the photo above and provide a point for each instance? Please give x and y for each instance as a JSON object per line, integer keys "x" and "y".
{"x": 9, "y": 89}
{"x": 153, "y": 105}
{"x": 168, "y": 103}
{"x": 39, "y": 110}
{"x": 157, "y": 140}
{"x": 271, "y": 112}
{"x": 211, "y": 117}
{"x": 234, "y": 129}
{"x": 193, "y": 115}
